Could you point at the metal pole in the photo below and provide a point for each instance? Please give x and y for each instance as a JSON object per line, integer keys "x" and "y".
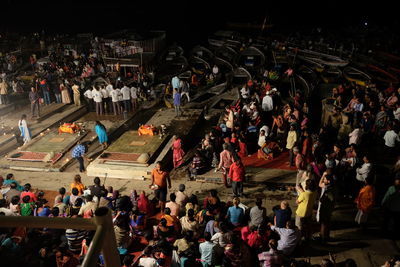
{"x": 109, "y": 248}
{"x": 92, "y": 256}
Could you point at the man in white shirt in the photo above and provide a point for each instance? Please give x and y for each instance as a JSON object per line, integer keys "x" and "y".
{"x": 134, "y": 96}
{"x": 267, "y": 103}
{"x": 390, "y": 137}
{"x": 98, "y": 100}
{"x": 89, "y": 99}
{"x": 115, "y": 101}
{"x": 106, "y": 100}
{"x": 126, "y": 97}
{"x": 365, "y": 170}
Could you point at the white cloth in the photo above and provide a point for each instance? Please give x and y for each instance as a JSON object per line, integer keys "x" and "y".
{"x": 245, "y": 92}
{"x": 390, "y": 138}
{"x": 134, "y": 92}
{"x": 266, "y": 130}
{"x": 363, "y": 172}
{"x": 104, "y": 93}
{"x": 397, "y": 114}
{"x": 25, "y": 133}
{"x": 126, "y": 93}
{"x": 109, "y": 88}
{"x": 355, "y": 136}
{"x": 114, "y": 95}
{"x": 148, "y": 262}
{"x": 88, "y": 94}
{"x": 97, "y": 96}
{"x": 261, "y": 140}
{"x": 267, "y": 103}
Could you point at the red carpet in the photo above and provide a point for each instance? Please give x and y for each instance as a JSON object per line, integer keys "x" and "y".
{"x": 280, "y": 162}
{"x": 33, "y": 156}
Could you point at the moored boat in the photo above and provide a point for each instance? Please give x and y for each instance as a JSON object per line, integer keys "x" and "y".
{"x": 355, "y": 75}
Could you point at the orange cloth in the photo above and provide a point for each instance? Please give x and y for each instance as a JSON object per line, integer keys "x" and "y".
{"x": 160, "y": 178}
{"x": 79, "y": 186}
{"x": 366, "y": 198}
{"x": 147, "y": 130}
{"x": 68, "y": 128}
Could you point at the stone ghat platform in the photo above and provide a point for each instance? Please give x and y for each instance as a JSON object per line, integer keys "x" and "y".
{"x": 51, "y": 151}
{"x": 122, "y": 158}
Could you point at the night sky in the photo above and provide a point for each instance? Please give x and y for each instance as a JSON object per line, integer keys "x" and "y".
{"x": 188, "y": 19}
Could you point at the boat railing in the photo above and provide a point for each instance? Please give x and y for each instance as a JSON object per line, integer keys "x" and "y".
{"x": 103, "y": 240}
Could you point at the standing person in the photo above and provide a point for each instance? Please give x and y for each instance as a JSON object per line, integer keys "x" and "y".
{"x": 391, "y": 208}
{"x": 290, "y": 144}
{"x": 126, "y": 98}
{"x": 178, "y": 152}
{"x": 46, "y": 91}
{"x": 160, "y": 181}
{"x": 34, "y": 98}
{"x": 65, "y": 98}
{"x": 185, "y": 89}
{"x": 57, "y": 92}
{"x": 237, "y": 175}
{"x": 305, "y": 201}
{"x": 23, "y": 127}
{"x": 175, "y": 82}
{"x": 101, "y": 134}
{"x": 3, "y": 92}
{"x": 115, "y": 101}
{"x": 77, "y": 94}
{"x": 78, "y": 153}
{"x": 177, "y": 102}
{"x": 88, "y": 94}
{"x": 300, "y": 164}
{"x": 326, "y": 205}
{"x": 365, "y": 202}
{"x": 225, "y": 162}
{"x": 106, "y": 99}
{"x": 134, "y": 97}
{"x": 98, "y": 100}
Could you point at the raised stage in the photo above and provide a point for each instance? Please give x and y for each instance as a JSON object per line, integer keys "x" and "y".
{"x": 133, "y": 156}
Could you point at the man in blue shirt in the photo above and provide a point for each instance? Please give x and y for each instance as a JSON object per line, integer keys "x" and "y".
{"x": 78, "y": 153}
{"x": 235, "y": 213}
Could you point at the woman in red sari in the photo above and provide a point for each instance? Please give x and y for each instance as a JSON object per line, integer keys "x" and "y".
{"x": 178, "y": 152}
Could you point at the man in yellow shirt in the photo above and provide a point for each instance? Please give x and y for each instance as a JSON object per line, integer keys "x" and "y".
{"x": 304, "y": 210}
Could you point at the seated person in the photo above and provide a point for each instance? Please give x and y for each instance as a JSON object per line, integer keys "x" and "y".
{"x": 283, "y": 214}
{"x": 235, "y": 213}
{"x": 196, "y": 166}
{"x": 269, "y": 150}
{"x": 290, "y": 236}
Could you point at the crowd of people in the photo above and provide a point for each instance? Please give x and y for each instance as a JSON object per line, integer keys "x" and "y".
{"x": 333, "y": 163}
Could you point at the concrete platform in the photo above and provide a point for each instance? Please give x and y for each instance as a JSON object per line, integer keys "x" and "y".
{"x": 40, "y": 144}
{"x": 63, "y": 114}
{"x": 133, "y": 170}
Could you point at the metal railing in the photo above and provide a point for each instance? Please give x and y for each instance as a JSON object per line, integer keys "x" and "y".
{"x": 103, "y": 240}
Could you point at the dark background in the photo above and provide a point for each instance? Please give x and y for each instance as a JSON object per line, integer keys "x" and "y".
{"x": 190, "y": 21}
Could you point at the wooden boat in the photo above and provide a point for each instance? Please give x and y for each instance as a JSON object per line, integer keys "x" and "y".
{"x": 226, "y": 53}
{"x": 331, "y": 75}
{"x": 380, "y": 75}
{"x": 225, "y": 38}
{"x": 355, "y": 75}
{"x": 251, "y": 58}
{"x": 241, "y": 76}
{"x": 166, "y": 71}
{"x": 202, "y": 52}
{"x": 321, "y": 58}
{"x": 316, "y": 66}
{"x": 171, "y": 53}
{"x": 309, "y": 75}
{"x": 198, "y": 65}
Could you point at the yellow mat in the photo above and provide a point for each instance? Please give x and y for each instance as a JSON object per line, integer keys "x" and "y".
{"x": 56, "y": 140}
{"x": 138, "y": 143}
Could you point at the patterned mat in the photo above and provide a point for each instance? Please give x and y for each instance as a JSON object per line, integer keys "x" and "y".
{"x": 33, "y": 156}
